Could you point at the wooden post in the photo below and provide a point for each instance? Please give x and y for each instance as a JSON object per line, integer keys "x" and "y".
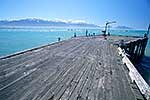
{"x": 133, "y": 47}
{"x": 140, "y": 50}
{"x": 133, "y": 51}
{"x": 144, "y": 46}
{"x": 130, "y": 48}
{"x": 136, "y": 51}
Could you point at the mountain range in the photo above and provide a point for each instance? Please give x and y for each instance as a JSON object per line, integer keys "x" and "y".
{"x": 57, "y": 23}
{"x": 41, "y": 22}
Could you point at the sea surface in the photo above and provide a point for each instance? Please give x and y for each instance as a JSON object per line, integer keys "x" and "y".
{"x": 14, "y": 40}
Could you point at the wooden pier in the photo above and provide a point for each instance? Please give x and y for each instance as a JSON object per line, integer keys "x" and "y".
{"x": 81, "y": 68}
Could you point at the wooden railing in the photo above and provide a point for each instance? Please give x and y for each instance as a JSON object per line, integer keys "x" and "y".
{"x": 135, "y": 49}
{"x": 135, "y": 76}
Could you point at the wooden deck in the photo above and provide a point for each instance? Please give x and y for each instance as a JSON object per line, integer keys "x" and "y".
{"x": 79, "y": 68}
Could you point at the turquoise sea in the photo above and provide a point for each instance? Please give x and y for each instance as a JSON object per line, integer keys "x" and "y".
{"x": 13, "y": 40}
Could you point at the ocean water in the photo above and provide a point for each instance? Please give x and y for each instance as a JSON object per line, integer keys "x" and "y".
{"x": 18, "y": 39}
{"x": 13, "y": 40}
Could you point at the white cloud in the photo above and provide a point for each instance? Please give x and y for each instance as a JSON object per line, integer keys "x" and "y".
{"x": 70, "y": 21}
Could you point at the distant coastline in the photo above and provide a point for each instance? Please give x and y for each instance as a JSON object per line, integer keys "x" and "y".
{"x": 33, "y": 22}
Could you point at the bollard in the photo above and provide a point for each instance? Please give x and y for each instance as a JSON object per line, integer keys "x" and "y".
{"x": 75, "y": 35}
{"x": 58, "y": 39}
{"x": 86, "y": 32}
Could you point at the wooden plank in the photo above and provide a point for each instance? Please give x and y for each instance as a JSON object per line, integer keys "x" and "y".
{"x": 64, "y": 86}
{"x": 69, "y": 84}
{"x": 23, "y": 67}
{"x": 77, "y": 90}
{"x": 56, "y": 59}
{"x": 58, "y": 78}
{"x": 44, "y": 52}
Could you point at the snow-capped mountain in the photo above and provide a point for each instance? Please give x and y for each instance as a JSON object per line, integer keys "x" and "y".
{"x": 41, "y": 22}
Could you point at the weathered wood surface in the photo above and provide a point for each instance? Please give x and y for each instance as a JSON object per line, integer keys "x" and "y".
{"x": 80, "y": 68}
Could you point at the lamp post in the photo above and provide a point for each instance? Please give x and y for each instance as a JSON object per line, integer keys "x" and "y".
{"x": 107, "y": 23}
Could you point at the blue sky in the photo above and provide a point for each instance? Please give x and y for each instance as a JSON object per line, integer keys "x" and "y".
{"x": 132, "y": 13}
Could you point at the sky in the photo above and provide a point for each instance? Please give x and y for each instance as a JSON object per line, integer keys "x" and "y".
{"x": 131, "y": 13}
